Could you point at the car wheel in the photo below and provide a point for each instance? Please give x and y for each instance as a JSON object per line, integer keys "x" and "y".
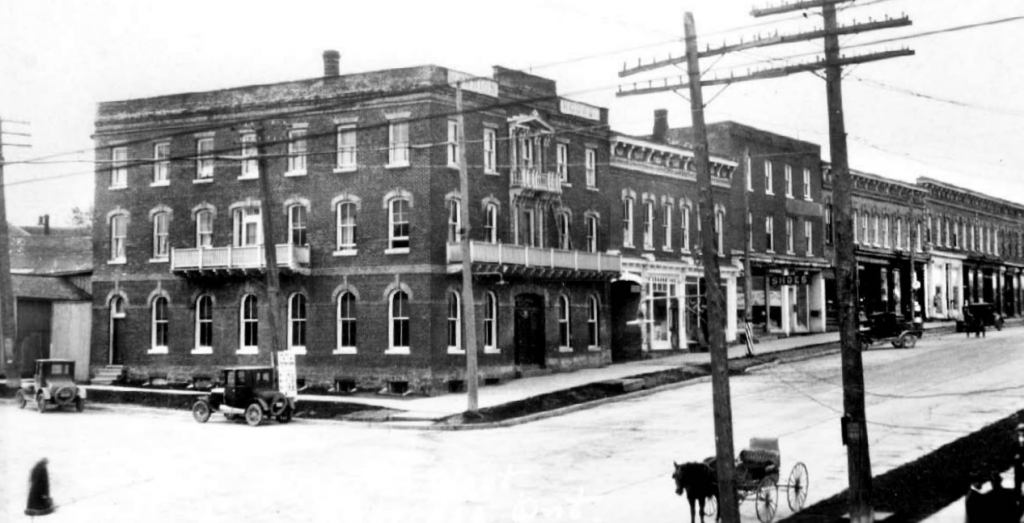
{"x": 907, "y": 341}
{"x": 285, "y": 416}
{"x": 201, "y": 411}
{"x": 40, "y": 403}
{"x": 254, "y": 414}
{"x": 19, "y": 398}
{"x": 79, "y": 405}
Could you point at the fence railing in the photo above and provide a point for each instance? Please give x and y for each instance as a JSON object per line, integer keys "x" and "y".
{"x": 248, "y": 257}
{"x": 507, "y": 254}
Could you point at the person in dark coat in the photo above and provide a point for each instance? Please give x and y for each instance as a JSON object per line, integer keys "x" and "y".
{"x": 39, "y": 501}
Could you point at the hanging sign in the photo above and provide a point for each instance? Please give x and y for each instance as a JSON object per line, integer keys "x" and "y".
{"x": 287, "y": 382}
{"x": 778, "y": 280}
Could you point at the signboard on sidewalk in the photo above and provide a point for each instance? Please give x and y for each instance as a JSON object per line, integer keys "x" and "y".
{"x": 287, "y": 382}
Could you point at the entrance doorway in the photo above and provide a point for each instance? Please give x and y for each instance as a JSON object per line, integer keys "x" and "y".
{"x": 529, "y": 330}
{"x": 117, "y": 316}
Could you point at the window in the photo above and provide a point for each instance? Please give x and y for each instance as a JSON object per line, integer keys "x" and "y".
{"x": 399, "y": 226}
{"x": 204, "y": 158}
{"x": 592, "y": 323}
{"x": 807, "y": 184}
{"x": 454, "y": 323}
{"x": 454, "y": 221}
{"x": 491, "y": 223}
{"x": 720, "y": 231}
{"x": 788, "y": 170}
{"x": 161, "y": 163}
{"x": 684, "y": 220}
{"x": 885, "y": 231}
{"x": 296, "y": 152}
{"x": 490, "y": 322}
{"x": 453, "y": 143}
{"x": 346, "y": 323}
{"x": 248, "y": 227}
{"x": 346, "y": 212}
{"x": 530, "y": 230}
{"x": 159, "y": 337}
{"x": 399, "y": 320}
{"x": 250, "y": 335}
{"x": 118, "y": 235}
{"x": 591, "y": 233}
{"x": 564, "y": 222}
{"x": 591, "y": 165}
{"x": 864, "y": 229}
{"x": 768, "y": 182}
{"x": 750, "y": 230}
{"x": 119, "y": 167}
{"x": 346, "y": 142}
{"x": 563, "y": 323}
{"x": 562, "y": 162}
{"x": 789, "y": 235}
{"x": 627, "y": 222}
{"x": 297, "y": 324}
{"x": 808, "y": 238}
{"x": 398, "y": 144}
{"x": 828, "y": 223}
{"x": 160, "y": 243}
{"x": 917, "y": 241}
{"x": 747, "y": 175}
{"x": 899, "y": 233}
{"x": 876, "y": 231}
{"x": 204, "y": 325}
{"x": 648, "y": 225}
{"x": 769, "y": 230}
{"x": 204, "y": 229}
{"x": 667, "y": 225}
{"x": 297, "y": 225}
{"x": 250, "y": 165}
{"x": 490, "y": 151}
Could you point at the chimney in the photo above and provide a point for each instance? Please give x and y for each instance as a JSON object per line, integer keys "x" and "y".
{"x": 44, "y": 220}
{"x": 331, "y": 59}
{"x": 660, "y": 125}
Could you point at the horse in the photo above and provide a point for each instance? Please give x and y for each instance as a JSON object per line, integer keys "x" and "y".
{"x": 700, "y": 481}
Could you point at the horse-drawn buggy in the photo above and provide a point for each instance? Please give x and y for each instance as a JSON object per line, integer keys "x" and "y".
{"x": 757, "y": 477}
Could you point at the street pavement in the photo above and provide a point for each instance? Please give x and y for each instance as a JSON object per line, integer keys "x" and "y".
{"x": 611, "y": 463}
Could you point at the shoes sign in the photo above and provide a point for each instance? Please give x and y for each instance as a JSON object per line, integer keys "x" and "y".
{"x": 778, "y": 280}
{"x": 286, "y": 376}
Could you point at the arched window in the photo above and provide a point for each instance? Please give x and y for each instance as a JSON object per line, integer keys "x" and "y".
{"x": 118, "y": 235}
{"x": 667, "y": 225}
{"x": 346, "y": 323}
{"x": 684, "y": 222}
{"x": 204, "y": 229}
{"x": 592, "y": 323}
{"x": 591, "y": 233}
{"x": 159, "y": 325}
{"x": 885, "y": 231}
{"x": 454, "y": 221}
{"x": 297, "y": 323}
{"x": 627, "y": 222}
{"x": 346, "y": 214}
{"x": 563, "y": 322}
{"x": 564, "y": 223}
{"x": 720, "y": 231}
{"x": 398, "y": 335}
{"x": 490, "y": 322}
{"x": 161, "y": 249}
{"x": 204, "y": 325}
{"x": 491, "y": 223}
{"x": 297, "y": 225}
{"x": 250, "y": 325}
{"x": 648, "y": 224}
{"x": 454, "y": 323}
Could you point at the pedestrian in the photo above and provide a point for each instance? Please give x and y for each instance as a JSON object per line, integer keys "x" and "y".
{"x": 39, "y": 501}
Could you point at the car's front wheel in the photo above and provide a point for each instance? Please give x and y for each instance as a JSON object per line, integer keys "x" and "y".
{"x": 40, "y": 403}
{"x": 201, "y": 411}
{"x": 19, "y": 398}
{"x": 285, "y": 416}
{"x": 254, "y": 414}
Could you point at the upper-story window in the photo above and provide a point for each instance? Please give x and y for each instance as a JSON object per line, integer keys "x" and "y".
{"x": 684, "y": 222}
{"x": 204, "y": 228}
{"x": 900, "y": 244}
{"x": 828, "y": 223}
{"x": 788, "y": 170}
{"x": 768, "y": 179}
{"x": 491, "y": 223}
{"x": 346, "y": 148}
{"x": 885, "y": 232}
{"x": 453, "y": 143}
{"x": 250, "y": 153}
{"x": 248, "y": 230}
{"x": 346, "y": 216}
{"x": 769, "y": 232}
{"x": 666, "y": 222}
{"x": 161, "y": 163}
{"x": 526, "y": 151}
{"x": 648, "y": 224}
{"x": 297, "y": 323}
{"x": 627, "y": 222}
{"x": 398, "y": 144}
{"x": 749, "y": 176}
{"x": 296, "y": 152}
{"x": 917, "y": 238}
{"x": 398, "y": 226}
{"x": 562, "y": 162}
{"x": 591, "y": 166}
{"x": 564, "y": 234}
{"x": 161, "y": 249}
{"x": 789, "y": 236}
{"x": 720, "y": 231}
{"x": 808, "y": 237}
{"x": 807, "y": 184}
{"x": 119, "y": 167}
{"x": 454, "y": 221}
{"x": 204, "y": 158}
{"x": 118, "y": 236}
{"x": 864, "y": 229}
{"x": 297, "y": 225}
{"x": 490, "y": 151}
{"x": 591, "y": 221}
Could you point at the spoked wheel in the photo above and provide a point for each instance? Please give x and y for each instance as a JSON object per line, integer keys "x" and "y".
{"x": 907, "y": 341}
{"x": 796, "y": 492}
{"x": 201, "y": 411}
{"x": 767, "y": 499}
{"x": 711, "y": 507}
{"x": 254, "y": 414}
{"x": 40, "y": 403}
{"x": 19, "y": 398}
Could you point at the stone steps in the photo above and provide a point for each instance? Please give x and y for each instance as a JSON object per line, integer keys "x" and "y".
{"x": 108, "y": 375}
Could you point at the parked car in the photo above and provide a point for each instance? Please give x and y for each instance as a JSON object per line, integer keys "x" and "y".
{"x": 246, "y": 391}
{"x": 987, "y": 314}
{"x": 890, "y": 327}
{"x": 52, "y": 384}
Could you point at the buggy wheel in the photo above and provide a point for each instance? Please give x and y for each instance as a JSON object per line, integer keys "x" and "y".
{"x": 767, "y": 501}
{"x": 710, "y": 506}
{"x": 19, "y": 398}
{"x": 908, "y": 340}
{"x": 254, "y": 414}
{"x": 201, "y": 411}
{"x": 79, "y": 405}
{"x": 40, "y": 402}
{"x": 796, "y": 489}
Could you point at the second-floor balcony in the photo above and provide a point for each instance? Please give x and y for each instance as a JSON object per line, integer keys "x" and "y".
{"x": 248, "y": 259}
{"x": 534, "y": 180}
{"x": 536, "y": 261}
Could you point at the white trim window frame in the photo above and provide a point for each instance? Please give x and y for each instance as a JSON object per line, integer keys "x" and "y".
{"x": 298, "y": 222}
{"x": 590, "y": 162}
{"x": 118, "y": 238}
{"x": 627, "y": 222}
{"x": 684, "y": 223}
{"x": 564, "y": 330}
{"x": 398, "y": 225}
{"x": 159, "y": 326}
{"x": 398, "y": 144}
{"x": 720, "y": 232}
{"x": 454, "y": 220}
{"x": 250, "y": 151}
{"x": 345, "y": 140}
{"x": 119, "y": 167}
{"x": 808, "y": 237}
{"x": 885, "y": 232}
{"x": 249, "y": 325}
{"x": 346, "y": 216}
{"x": 592, "y": 226}
{"x": 161, "y": 241}
{"x": 790, "y": 243}
{"x": 248, "y": 227}
{"x": 769, "y": 230}
{"x": 204, "y": 159}
{"x": 296, "y": 153}
{"x": 562, "y": 162}
{"x": 593, "y": 324}
{"x": 491, "y": 223}
{"x": 807, "y": 185}
{"x": 203, "y": 325}
{"x": 454, "y": 323}
{"x": 768, "y": 178}
{"x": 347, "y": 326}
{"x": 490, "y": 323}
{"x": 666, "y": 220}
{"x": 161, "y": 164}
{"x": 564, "y": 225}
{"x": 648, "y": 225}
{"x": 298, "y": 317}
{"x": 204, "y": 229}
{"x": 398, "y": 323}
{"x": 490, "y": 151}
{"x": 453, "y": 144}
{"x": 788, "y": 170}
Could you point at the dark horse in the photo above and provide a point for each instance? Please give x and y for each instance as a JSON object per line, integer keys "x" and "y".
{"x": 700, "y": 481}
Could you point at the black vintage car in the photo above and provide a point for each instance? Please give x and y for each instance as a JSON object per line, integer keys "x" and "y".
{"x": 53, "y": 384}
{"x": 985, "y": 314}
{"x": 890, "y": 327}
{"x": 246, "y": 391}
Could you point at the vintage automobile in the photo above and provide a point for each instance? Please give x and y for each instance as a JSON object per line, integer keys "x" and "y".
{"x": 985, "y": 313}
{"x": 246, "y": 391}
{"x": 890, "y": 327}
{"x": 53, "y": 384}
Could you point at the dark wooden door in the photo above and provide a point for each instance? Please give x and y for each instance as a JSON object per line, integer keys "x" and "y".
{"x": 529, "y": 330}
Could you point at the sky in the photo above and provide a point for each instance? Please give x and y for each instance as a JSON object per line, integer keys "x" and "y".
{"x": 951, "y": 112}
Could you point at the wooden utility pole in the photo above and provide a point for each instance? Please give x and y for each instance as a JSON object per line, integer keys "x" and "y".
{"x": 468, "y": 303}
{"x": 721, "y": 397}
{"x": 12, "y": 370}
{"x": 269, "y": 249}
{"x": 748, "y": 276}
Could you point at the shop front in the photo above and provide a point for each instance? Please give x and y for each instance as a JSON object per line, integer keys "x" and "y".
{"x": 787, "y": 299}
{"x": 946, "y": 285}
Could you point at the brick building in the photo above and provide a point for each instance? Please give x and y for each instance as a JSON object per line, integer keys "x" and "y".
{"x": 364, "y": 181}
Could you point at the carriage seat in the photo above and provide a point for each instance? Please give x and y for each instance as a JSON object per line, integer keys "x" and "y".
{"x": 762, "y": 453}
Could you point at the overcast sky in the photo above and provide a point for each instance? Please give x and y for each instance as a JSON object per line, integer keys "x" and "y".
{"x": 952, "y": 112}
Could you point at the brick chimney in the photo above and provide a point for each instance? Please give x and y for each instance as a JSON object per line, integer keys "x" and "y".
{"x": 660, "y": 125}
{"x": 44, "y": 220}
{"x": 331, "y": 60}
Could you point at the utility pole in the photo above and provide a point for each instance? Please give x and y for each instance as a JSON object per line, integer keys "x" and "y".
{"x": 269, "y": 248}
{"x": 748, "y": 277}
{"x": 8, "y": 358}
{"x": 468, "y": 303}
